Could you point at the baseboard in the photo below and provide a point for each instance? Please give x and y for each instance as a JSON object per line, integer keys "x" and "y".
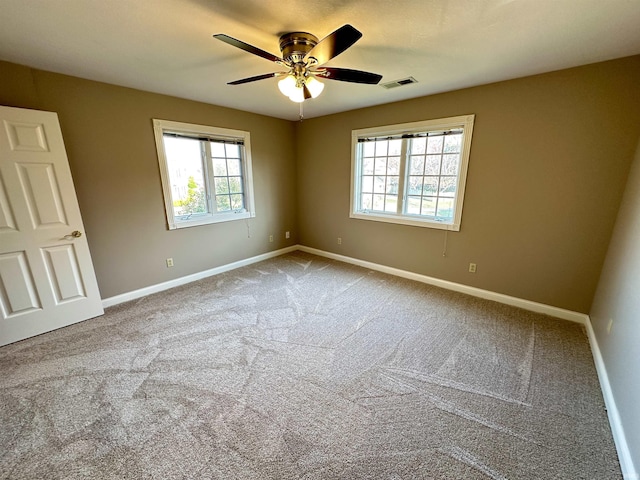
{"x": 624, "y": 453}
{"x": 457, "y": 287}
{"x": 135, "y": 294}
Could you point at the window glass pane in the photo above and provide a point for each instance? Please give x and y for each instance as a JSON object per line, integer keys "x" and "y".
{"x": 430, "y": 186}
{"x": 428, "y": 206}
{"x": 395, "y": 147}
{"x": 184, "y": 164}
{"x": 393, "y": 166}
{"x": 219, "y": 167}
{"x": 233, "y": 151}
{"x": 433, "y": 165}
{"x": 448, "y": 186}
{"x": 415, "y": 185}
{"x": 237, "y": 202}
{"x": 417, "y": 165}
{"x": 381, "y": 148}
{"x": 418, "y": 145}
{"x": 452, "y": 143}
{"x": 379, "y": 185}
{"x": 445, "y": 208}
{"x": 233, "y": 166}
{"x": 392, "y": 185}
{"x": 450, "y": 164}
{"x": 223, "y": 203}
{"x": 367, "y": 184}
{"x": 221, "y": 185}
{"x": 391, "y": 204}
{"x": 367, "y": 202}
{"x": 217, "y": 149}
{"x": 195, "y": 172}
{"x": 381, "y": 166}
{"x": 367, "y": 166}
{"x": 228, "y": 183}
{"x": 434, "y": 145}
{"x": 415, "y": 179}
{"x": 235, "y": 184}
{"x": 369, "y": 149}
{"x": 378, "y": 202}
{"x": 413, "y": 205}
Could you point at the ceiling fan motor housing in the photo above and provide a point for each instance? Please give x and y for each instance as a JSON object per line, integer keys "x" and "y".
{"x": 296, "y": 45}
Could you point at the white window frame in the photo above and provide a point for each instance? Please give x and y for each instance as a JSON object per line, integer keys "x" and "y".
{"x": 464, "y": 121}
{"x": 173, "y": 222}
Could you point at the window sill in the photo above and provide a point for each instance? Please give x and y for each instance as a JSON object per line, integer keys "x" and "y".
{"x": 208, "y": 219}
{"x": 405, "y": 220}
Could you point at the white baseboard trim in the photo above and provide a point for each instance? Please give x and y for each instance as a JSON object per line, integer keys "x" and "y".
{"x": 458, "y": 287}
{"x": 629, "y": 471}
{"x": 142, "y": 292}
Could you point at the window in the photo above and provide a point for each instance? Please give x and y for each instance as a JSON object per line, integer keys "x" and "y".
{"x": 206, "y": 173}
{"x": 412, "y": 173}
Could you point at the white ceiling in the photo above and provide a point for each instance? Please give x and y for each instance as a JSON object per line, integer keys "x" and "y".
{"x": 166, "y": 46}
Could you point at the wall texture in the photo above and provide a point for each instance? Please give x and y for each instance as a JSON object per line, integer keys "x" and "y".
{"x": 549, "y": 160}
{"x": 618, "y": 298}
{"x": 111, "y": 148}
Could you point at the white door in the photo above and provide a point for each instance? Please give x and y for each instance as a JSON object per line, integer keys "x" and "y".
{"x": 47, "y": 279}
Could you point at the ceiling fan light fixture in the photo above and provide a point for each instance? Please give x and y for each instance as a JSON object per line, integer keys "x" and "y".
{"x": 297, "y": 95}
{"x": 315, "y": 86}
{"x": 293, "y": 87}
{"x": 287, "y": 85}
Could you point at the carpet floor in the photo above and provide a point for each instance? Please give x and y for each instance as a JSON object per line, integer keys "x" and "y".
{"x": 300, "y": 367}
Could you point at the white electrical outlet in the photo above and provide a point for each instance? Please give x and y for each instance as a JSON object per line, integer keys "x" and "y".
{"x": 271, "y": 238}
{"x": 609, "y": 325}
{"x": 339, "y": 240}
{"x": 286, "y": 234}
{"x": 472, "y": 267}
{"x": 169, "y": 262}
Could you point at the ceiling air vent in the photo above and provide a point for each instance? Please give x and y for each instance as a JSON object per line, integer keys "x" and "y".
{"x": 399, "y": 83}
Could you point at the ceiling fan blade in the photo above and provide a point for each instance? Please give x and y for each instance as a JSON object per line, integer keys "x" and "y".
{"x": 348, "y": 75}
{"x": 334, "y": 44}
{"x": 247, "y": 48}
{"x": 256, "y": 78}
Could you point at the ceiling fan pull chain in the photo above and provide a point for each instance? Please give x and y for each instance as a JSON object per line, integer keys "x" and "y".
{"x": 301, "y": 114}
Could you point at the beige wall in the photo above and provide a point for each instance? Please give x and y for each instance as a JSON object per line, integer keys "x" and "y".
{"x": 618, "y": 298}
{"x": 549, "y": 159}
{"x": 109, "y": 139}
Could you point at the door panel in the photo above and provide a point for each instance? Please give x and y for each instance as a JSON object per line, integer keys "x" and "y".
{"x": 47, "y": 279}
{"x": 64, "y": 273}
{"x": 40, "y": 190}
{"x": 6, "y": 215}
{"x": 26, "y": 137}
{"x": 17, "y": 290}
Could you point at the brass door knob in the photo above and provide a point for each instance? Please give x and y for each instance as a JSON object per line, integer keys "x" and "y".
{"x": 72, "y": 235}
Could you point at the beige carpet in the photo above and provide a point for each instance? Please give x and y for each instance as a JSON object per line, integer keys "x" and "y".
{"x": 305, "y": 368}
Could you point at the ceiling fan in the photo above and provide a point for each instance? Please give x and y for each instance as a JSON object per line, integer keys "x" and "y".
{"x": 304, "y": 56}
